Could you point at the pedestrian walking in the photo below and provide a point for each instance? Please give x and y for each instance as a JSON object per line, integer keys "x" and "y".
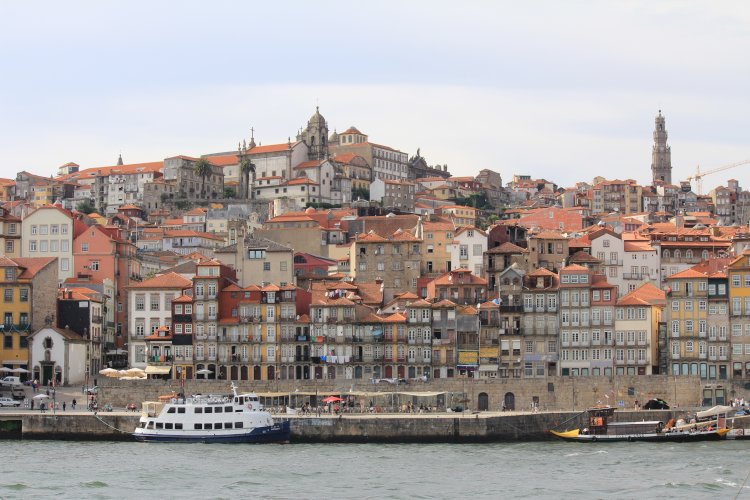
{"x": 64, "y": 405}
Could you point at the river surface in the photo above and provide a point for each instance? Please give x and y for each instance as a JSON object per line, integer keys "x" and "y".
{"x": 43, "y": 469}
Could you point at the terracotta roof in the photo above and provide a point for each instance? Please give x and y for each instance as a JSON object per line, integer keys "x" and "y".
{"x": 295, "y": 182}
{"x": 134, "y": 168}
{"x": 395, "y": 318}
{"x": 543, "y": 272}
{"x": 32, "y": 265}
{"x": 182, "y": 299}
{"x": 371, "y": 237}
{"x": 223, "y": 160}
{"x": 646, "y": 294}
{"x": 638, "y": 246}
{"x": 308, "y": 164}
{"x": 168, "y": 280}
{"x": 582, "y": 256}
{"x": 507, "y": 247}
{"x": 443, "y": 304}
{"x": 270, "y": 148}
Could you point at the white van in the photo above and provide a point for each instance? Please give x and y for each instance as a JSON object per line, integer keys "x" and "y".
{"x": 10, "y": 381}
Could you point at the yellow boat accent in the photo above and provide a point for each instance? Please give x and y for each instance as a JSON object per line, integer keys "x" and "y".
{"x": 723, "y": 432}
{"x": 567, "y": 434}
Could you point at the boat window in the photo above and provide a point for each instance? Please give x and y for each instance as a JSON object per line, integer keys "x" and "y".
{"x": 171, "y": 410}
{"x": 218, "y": 409}
{"x": 159, "y": 425}
{"x": 143, "y": 425}
{"x": 238, "y": 425}
{"x": 178, "y": 426}
{"x": 198, "y": 409}
{"x": 198, "y": 427}
{"x": 253, "y": 398}
{"x": 227, "y": 425}
{"x": 207, "y": 426}
{"x": 228, "y": 409}
{"x": 150, "y": 425}
{"x": 217, "y": 426}
{"x": 209, "y": 409}
{"x": 168, "y": 425}
{"x": 180, "y": 410}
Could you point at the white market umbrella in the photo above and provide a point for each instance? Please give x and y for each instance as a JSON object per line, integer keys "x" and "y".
{"x": 135, "y": 372}
{"x": 108, "y": 372}
{"x": 19, "y": 370}
{"x": 41, "y": 396}
{"x": 5, "y": 370}
{"x": 204, "y": 371}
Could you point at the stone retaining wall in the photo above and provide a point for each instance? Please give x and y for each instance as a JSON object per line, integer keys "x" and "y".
{"x": 553, "y": 393}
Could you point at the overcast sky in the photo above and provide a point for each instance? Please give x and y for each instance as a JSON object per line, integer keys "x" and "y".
{"x": 560, "y": 90}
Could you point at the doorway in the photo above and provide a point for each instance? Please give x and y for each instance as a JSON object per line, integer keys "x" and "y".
{"x": 509, "y": 401}
{"x": 484, "y": 401}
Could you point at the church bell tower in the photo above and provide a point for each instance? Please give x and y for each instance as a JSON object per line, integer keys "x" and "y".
{"x": 661, "y": 155}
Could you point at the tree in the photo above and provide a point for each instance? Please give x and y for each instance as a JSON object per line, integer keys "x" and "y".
{"x": 203, "y": 169}
{"x": 229, "y": 192}
{"x": 360, "y": 193}
{"x": 245, "y": 168}
{"x": 86, "y": 207}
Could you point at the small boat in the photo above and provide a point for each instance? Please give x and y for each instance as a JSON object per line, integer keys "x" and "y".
{"x": 602, "y": 428}
{"x": 239, "y": 418}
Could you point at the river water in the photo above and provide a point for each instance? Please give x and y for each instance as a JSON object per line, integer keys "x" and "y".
{"x": 42, "y": 469}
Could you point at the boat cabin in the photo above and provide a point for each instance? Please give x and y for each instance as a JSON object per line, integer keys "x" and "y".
{"x": 600, "y": 424}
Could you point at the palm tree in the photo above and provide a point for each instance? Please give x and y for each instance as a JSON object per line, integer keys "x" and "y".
{"x": 246, "y": 167}
{"x": 203, "y": 168}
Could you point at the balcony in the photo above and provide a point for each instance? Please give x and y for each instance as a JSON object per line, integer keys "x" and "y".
{"x": 96, "y": 319}
{"x": 636, "y": 276}
{"x": 518, "y": 308}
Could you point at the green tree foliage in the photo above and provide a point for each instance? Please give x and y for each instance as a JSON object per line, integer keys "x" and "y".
{"x": 86, "y": 207}
{"x": 203, "y": 170}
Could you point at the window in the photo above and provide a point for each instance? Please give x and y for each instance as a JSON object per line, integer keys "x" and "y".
{"x": 94, "y": 266}
{"x": 8, "y": 295}
{"x": 24, "y": 294}
{"x": 9, "y": 246}
{"x": 154, "y": 302}
{"x": 32, "y": 245}
{"x": 266, "y": 266}
{"x": 84, "y": 247}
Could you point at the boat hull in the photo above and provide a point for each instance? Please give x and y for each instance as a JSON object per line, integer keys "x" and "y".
{"x": 276, "y": 433}
{"x": 670, "y": 437}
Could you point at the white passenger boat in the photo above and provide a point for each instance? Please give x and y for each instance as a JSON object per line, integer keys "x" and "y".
{"x": 239, "y": 418}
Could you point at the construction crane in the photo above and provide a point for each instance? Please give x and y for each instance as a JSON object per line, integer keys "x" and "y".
{"x": 698, "y": 177}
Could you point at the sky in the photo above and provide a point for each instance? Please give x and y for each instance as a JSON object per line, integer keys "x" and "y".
{"x": 559, "y": 90}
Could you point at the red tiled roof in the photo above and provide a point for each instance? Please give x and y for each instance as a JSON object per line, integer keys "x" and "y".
{"x": 32, "y": 264}
{"x": 646, "y": 294}
{"x": 270, "y": 148}
{"x": 168, "y": 280}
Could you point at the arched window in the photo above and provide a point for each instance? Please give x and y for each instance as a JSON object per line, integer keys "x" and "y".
{"x": 704, "y": 255}
{"x": 688, "y": 254}
{"x": 665, "y": 254}
{"x": 677, "y": 254}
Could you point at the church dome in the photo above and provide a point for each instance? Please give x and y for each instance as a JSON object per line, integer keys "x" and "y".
{"x": 317, "y": 118}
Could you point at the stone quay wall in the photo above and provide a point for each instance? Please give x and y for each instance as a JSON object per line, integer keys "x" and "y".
{"x": 552, "y": 394}
{"x": 443, "y": 428}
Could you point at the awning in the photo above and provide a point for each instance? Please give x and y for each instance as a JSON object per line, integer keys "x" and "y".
{"x": 488, "y": 368}
{"x": 158, "y": 370}
{"x": 116, "y": 352}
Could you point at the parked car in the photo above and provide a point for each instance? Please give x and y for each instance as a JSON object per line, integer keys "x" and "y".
{"x": 9, "y": 402}
{"x": 10, "y": 381}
